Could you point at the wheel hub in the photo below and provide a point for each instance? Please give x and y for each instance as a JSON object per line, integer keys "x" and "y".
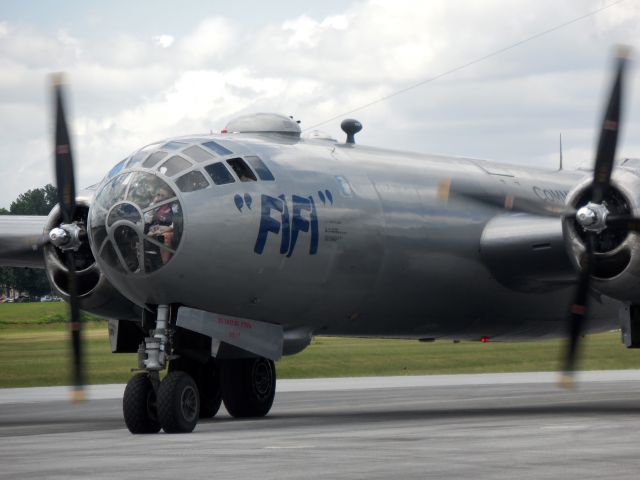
{"x": 189, "y": 403}
{"x": 262, "y": 379}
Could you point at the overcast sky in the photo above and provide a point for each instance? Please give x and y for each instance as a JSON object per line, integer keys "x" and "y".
{"x": 142, "y": 71}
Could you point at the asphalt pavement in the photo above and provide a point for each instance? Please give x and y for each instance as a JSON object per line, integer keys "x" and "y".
{"x": 501, "y": 426}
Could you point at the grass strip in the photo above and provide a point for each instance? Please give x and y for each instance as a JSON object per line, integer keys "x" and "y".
{"x": 36, "y": 353}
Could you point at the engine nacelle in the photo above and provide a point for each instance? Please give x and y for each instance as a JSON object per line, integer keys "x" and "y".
{"x": 96, "y": 293}
{"x": 616, "y": 270}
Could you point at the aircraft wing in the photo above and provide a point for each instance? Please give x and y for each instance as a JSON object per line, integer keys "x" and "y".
{"x": 21, "y": 240}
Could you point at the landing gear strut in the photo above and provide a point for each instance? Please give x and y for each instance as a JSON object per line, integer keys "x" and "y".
{"x": 148, "y": 403}
{"x": 192, "y": 390}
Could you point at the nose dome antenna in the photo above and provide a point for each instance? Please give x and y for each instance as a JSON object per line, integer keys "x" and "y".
{"x": 351, "y": 127}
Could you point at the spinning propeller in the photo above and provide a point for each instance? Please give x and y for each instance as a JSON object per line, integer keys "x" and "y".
{"x": 68, "y": 236}
{"x": 593, "y": 218}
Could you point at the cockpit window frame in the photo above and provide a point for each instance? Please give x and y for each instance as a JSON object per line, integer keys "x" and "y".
{"x": 241, "y": 169}
{"x": 229, "y": 178}
{"x": 179, "y": 171}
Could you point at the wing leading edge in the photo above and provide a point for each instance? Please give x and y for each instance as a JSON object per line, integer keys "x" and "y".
{"x": 21, "y": 240}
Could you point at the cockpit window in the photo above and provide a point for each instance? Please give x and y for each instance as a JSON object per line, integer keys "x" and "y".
{"x": 124, "y": 211}
{"x": 217, "y": 148}
{"x": 173, "y": 145}
{"x": 174, "y": 165}
{"x": 219, "y": 173}
{"x": 163, "y": 227}
{"x": 260, "y": 168}
{"x": 126, "y": 239}
{"x": 114, "y": 190}
{"x": 116, "y": 169}
{"x": 144, "y": 189}
{"x": 242, "y": 170}
{"x": 192, "y": 181}
{"x": 136, "y": 223}
{"x": 198, "y": 154}
{"x": 154, "y": 158}
{"x": 140, "y": 155}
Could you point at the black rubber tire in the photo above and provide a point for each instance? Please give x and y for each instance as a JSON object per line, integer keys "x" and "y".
{"x": 139, "y": 405}
{"x": 207, "y": 377}
{"x": 248, "y": 386}
{"x": 178, "y": 403}
{"x": 210, "y": 391}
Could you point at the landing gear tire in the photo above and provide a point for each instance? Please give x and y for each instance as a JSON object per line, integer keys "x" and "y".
{"x": 248, "y": 386}
{"x": 139, "y": 405}
{"x": 178, "y": 403}
{"x": 210, "y": 391}
{"x": 207, "y": 379}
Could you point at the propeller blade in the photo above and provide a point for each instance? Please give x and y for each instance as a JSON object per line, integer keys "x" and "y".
{"x": 63, "y": 158}
{"x": 608, "y": 140}
{"x": 604, "y": 162}
{"x": 75, "y": 324}
{"x": 629, "y": 222}
{"x": 18, "y": 247}
{"x": 67, "y": 201}
{"x": 578, "y": 313}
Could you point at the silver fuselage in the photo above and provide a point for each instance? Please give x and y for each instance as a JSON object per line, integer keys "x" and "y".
{"x": 392, "y": 258}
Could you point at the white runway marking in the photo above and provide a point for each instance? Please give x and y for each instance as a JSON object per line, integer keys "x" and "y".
{"x": 103, "y": 392}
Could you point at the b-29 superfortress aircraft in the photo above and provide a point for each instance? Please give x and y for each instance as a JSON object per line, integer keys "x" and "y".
{"x": 214, "y": 255}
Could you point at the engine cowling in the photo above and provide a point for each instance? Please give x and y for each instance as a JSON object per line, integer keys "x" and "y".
{"x": 616, "y": 270}
{"x": 96, "y": 293}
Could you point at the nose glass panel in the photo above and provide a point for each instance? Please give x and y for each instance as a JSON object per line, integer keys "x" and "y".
{"x": 136, "y": 223}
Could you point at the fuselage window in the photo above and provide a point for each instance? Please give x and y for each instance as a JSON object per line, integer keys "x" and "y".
{"x": 154, "y": 158}
{"x": 219, "y": 173}
{"x": 242, "y": 170}
{"x": 174, "y": 165}
{"x": 217, "y": 148}
{"x": 260, "y": 168}
{"x": 192, "y": 181}
{"x": 198, "y": 154}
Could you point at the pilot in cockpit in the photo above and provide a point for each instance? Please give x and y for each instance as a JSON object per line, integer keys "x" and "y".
{"x": 159, "y": 222}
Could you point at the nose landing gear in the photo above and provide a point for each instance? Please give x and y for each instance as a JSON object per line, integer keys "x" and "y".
{"x": 139, "y": 405}
{"x": 192, "y": 390}
{"x": 178, "y": 403}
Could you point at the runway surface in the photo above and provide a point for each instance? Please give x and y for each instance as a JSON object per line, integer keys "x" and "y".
{"x": 502, "y": 426}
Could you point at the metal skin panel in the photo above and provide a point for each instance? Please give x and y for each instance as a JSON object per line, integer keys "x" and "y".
{"x": 392, "y": 259}
{"x": 21, "y": 240}
{"x": 260, "y": 338}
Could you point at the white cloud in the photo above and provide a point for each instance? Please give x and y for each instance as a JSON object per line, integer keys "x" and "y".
{"x": 306, "y": 32}
{"x": 130, "y": 87}
{"x": 164, "y": 41}
{"x": 211, "y": 40}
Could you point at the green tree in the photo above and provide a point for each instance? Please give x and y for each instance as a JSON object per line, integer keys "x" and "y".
{"x": 7, "y": 280}
{"x": 31, "y": 280}
{"x": 38, "y": 201}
